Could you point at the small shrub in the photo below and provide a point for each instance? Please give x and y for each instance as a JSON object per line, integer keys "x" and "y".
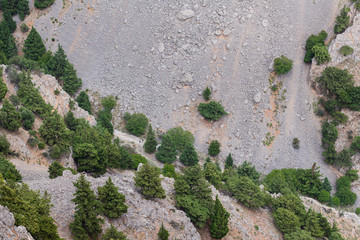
{"x": 27, "y": 118}
{"x": 57, "y": 92}
{"x": 24, "y": 63}
{"x": 8, "y": 171}
{"x": 72, "y": 104}
{"x": 32, "y": 142}
{"x": 14, "y": 99}
{"x": 324, "y": 196}
{"x": 113, "y": 234}
{"x": 311, "y": 42}
{"x": 24, "y": 28}
{"x": 169, "y": 171}
{"x": 342, "y": 20}
{"x": 321, "y": 54}
{"x": 41, "y": 145}
{"x": 214, "y": 148}
{"x": 335, "y": 201}
{"x": 137, "y": 124}
{"x": 282, "y": 65}
{"x": 180, "y": 137}
{"x": 3, "y": 88}
{"x": 206, "y": 94}
{"x": 108, "y": 102}
{"x": 137, "y": 159}
{"x": 346, "y": 50}
{"x": 296, "y": 143}
{"x": 340, "y": 117}
{"x": 4, "y": 145}
{"x": 84, "y": 102}
{"x": 352, "y": 175}
{"x": 212, "y": 110}
{"x": 55, "y": 170}
{"x": 55, "y": 152}
{"x": 357, "y": 211}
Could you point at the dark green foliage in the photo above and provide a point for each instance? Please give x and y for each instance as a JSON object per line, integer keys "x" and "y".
{"x": 169, "y": 171}
{"x": 24, "y": 63}
{"x": 335, "y": 201}
{"x": 31, "y": 98}
{"x": 9, "y": 21}
{"x": 27, "y": 118}
{"x": 206, "y": 94}
{"x": 148, "y": 179}
{"x": 296, "y": 143}
{"x": 34, "y": 47}
{"x": 229, "y": 162}
{"x": 7, "y": 42}
{"x": 8, "y": 170}
{"x": 286, "y": 220}
{"x": 41, "y": 145}
{"x": 112, "y": 202}
{"x": 30, "y": 209}
{"x": 352, "y": 175}
{"x": 150, "y": 143}
{"x": 312, "y": 41}
{"x": 70, "y": 80}
{"x": 212, "y": 110}
{"x": 4, "y": 145}
{"x": 189, "y": 156}
{"x": 136, "y": 124}
{"x": 3, "y": 88}
{"x": 335, "y": 236}
{"x": 343, "y": 159}
{"x": 55, "y": 170}
{"x": 346, "y": 50}
{"x": 343, "y": 191}
{"x": 357, "y": 211}
{"x": 113, "y": 234}
{"x": 44, "y": 60}
{"x": 214, "y": 148}
{"x": 342, "y": 20}
{"x": 282, "y": 65}
{"x": 247, "y": 170}
{"x": 219, "y": 220}
{"x": 10, "y": 119}
{"x": 326, "y": 185}
{"x": 24, "y": 28}
{"x": 298, "y": 235}
{"x": 163, "y": 234}
{"x": 193, "y": 195}
{"x": 70, "y": 121}
{"x": 136, "y": 160}
{"x": 329, "y": 133}
{"x": 324, "y": 196}
{"x": 84, "y": 102}
{"x": 166, "y": 152}
{"x": 312, "y": 224}
{"x": 56, "y": 65}
{"x": 86, "y": 224}
{"x": 321, "y": 54}
{"x": 246, "y": 191}
{"x": 14, "y": 99}
{"x": 14, "y": 7}
{"x": 87, "y": 159}
{"x": 32, "y": 142}
{"x": 340, "y": 117}
{"x": 41, "y": 4}
{"x": 104, "y": 120}
{"x": 108, "y": 102}
{"x": 213, "y": 175}
{"x": 55, "y": 152}
{"x": 180, "y": 137}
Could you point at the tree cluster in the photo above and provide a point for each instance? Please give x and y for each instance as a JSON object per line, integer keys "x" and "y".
{"x": 311, "y": 42}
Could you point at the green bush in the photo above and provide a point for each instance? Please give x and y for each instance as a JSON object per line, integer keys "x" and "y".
{"x": 214, "y": 148}
{"x": 167, "y": 151}
{"x": 321, "y": 54}
{"x": 299, "y": 235}
{"x": 84, "y": 102}
{"x": 357, "y": 211}
{"x": 163, "y": 234}
{"x": 150, "y": 143}
{"x": 54, "y": 131}
{"x": 113, "y": 234}
{"x": 14, "y": 99}
{"x": 24, "y": 28}
{"x": 311, "y": 42}
{"x": 34, "y": 47}
{"x": 55, "y": 170}
{"x": 189, "y": 156}
{"x": 8, "y": 171}
{"x": 352, "y": 175}
{"x": 324, "y": 196}
{"x": 296, "y": 143}
{"x": 27, "y": 118}
{"x": 148, "y": 179}
{"x": 32, "y": 142}
{"x": 286, "y": 220}
{"x": 343, "y": 191}
{"x": 24, "y": 63}
{"x": 169, "y": 171}
{"x": 212, "y": 110}
{"x": 4, "y": 145}
{"x": 206, "y": 94}
{"x": 282, "y": 65}
{"x": 8, "y": 45}
{"x": 41, "y": 145}
{"x": 137, "y": 124}
{"x": 329, "y": 133}
{"x": 108, "y": 102}
{"x": 213, "y": 175}
{"x": 342, "y": 20}
{"x": 137, "y": 159}
{"x": 41, "y": 4}
{"x": 331, "y": 106}
{"x": 219, "y": 220}
{"x": 340, "y": 117}
{"x": 3, "y": 88}
{"x": 10, "y": 119}
{"x": 71, "y": 83}
{"x": 180, "y": 137}
{"x": 246, "y": 169}
{"x": 13, "y": 74}
{"x": 346, "y": 50}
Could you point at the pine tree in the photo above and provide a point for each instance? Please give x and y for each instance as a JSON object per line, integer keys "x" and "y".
{"x": 163, "y": 233}
{"x": 167, "y": 151}
{"x": 113, "y": 234}
{"x": 112, "y": 202}
{"x": 148, "y": 179}
{"x": 326, "y": 185}
{"x": 229, "y": 163}
{"x": 9, "y": 21}
{"x": 57, "y": 63}
{"x": 189, "y": 156}
{"x": 312, "y": 224}
{"x": 53, "y": 130}
{"x": 86, "y": 224}
{"x": 34, "y": 47}
{"x": 3, "y": 88}
{"x": 8, "y": 46}
{"x": 70, "y": 80}
{"x": 206, "y": 94}
{"x": 207, "y": 161}
{"x": 23, "y": 9}
{"x": 219, "y": 220}
{"x": 214, "y": 148}
{"x": 10, "y": 119}
{"x": 84, "y": 102}
{"x": 71, "y": 121}
{"x": 150, "y": 143}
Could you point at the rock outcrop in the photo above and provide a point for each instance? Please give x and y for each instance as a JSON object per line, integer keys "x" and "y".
{"x": 8, "y": 230}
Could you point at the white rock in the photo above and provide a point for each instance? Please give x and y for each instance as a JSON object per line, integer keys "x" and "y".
{"x": 185, "y": 14}
{"x": 257, "y": 97}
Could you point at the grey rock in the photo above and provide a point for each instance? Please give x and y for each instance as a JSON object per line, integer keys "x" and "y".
{"x": 185, "y": 14}
{"x": 257, "y": 97}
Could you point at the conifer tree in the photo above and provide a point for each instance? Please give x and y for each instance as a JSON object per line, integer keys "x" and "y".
{"x": 326, "y": 185}
{"x": 189, "y": 156}
{"x": 113, "y": 234}
{"x": 312, "y": 224}
{"x": 9, "y": 21}
{"x": 71, "y": 121}
{"x": 148, "y": 179}
{"x": 150, "y": 143}
{"x": 71, "y": 82}
{"x": 84, "y": 102}
{"x": 10, "y": 119}
{"x": 163, "y": 234}
{"x": 207, "y": 161}
{"x": 57, "y": 63}
{"x": 229, "y": 163}
{"x": 3, "y": 88}
{"x": 214, "y": 148}
{"x": 23, "y": 9}
{"x": 53, "y": 130}
{"x": 86, "y": 224}
{"x": 167, "y": 151}
{"x": 206, "y": 94}
{"x": 8, "y": 46}
{"x": 34, "y": 47}
{"x": 112, "y": 202}
{"x": 219, "y": 220}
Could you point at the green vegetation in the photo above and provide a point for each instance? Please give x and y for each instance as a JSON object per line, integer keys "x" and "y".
{"x": 136, "y": 123}
{"x": 167, "y": 151}
{"x": 112, "y": 203}
{"x": 148, "y": 179}
{"x": 340, "y": 117}
{"x": 229, "y": 162}
{"x": 34, "y": 47}
{"x": 206, "y": 94}
{"x": 214, "y": 148}
{"x": 247, "y": 170}
{"x": 24, "y": 28}
{"x": 169, "y": 171}
{"x": 213, "y": 174}
{"x": 282, "y": 65}
{"x": 212, "y": 110}
{"x": 13, "y": 7}
{"x": 70, "y": 80}
{"x": 150, "y": 143}
{"x": 180, "y": 137}
{"x": 55, "y": 170}
{"x": 10, "y": 119}
{"x": 3, "y": 87}
{"x": 163, "y": 234}
{"x": 8, "y": 47}
{"x": 86, "y": 224}
{"x": 314, "y": 40}
{"x": 321, "y": 54}
{"x": 27, "y": 118}
{"x": 189, "y": 156}
{"x": 219, "y": 220}
{"x": 8, "y": 170}
{"x": 296, "y": 143}
{"x": 113, "y": 234}
{"x": 104, "y": 116}
{"x": 30, "y": 209}
{"x": 137, "y": 159}
{"x": 4, "y": 146}
{"x": 84, "y": 102}
{"x": 343, "y": 191}
{"x": 342, "y": 20}
{"x": 346, "y": 50}
{"x": 41, "y": 4}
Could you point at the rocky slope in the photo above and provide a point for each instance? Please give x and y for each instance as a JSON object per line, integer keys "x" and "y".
{"x": 8, "y": 230}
